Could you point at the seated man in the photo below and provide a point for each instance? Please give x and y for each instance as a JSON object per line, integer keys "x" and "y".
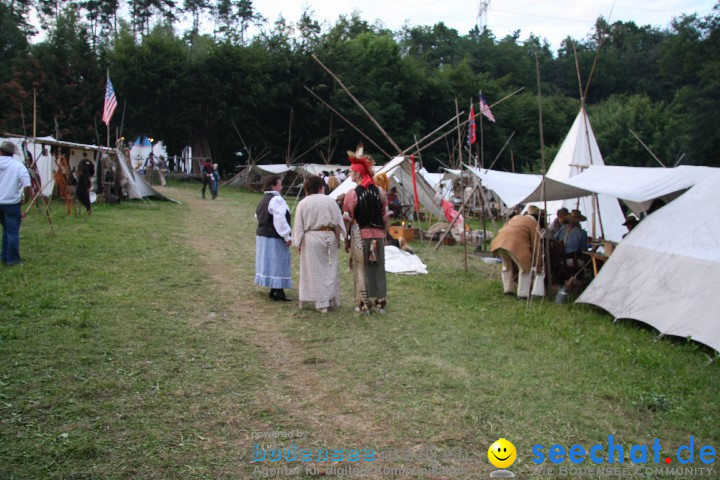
{"x": 559, "y": 221}
{"x": 394, "y": 202}
{"x": 572, "y": 235}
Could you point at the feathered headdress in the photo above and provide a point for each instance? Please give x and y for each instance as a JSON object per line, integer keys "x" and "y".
{"x": 362, "y": 164}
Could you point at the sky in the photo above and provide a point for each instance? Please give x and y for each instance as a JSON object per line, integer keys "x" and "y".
{"x": 553, "y": 20}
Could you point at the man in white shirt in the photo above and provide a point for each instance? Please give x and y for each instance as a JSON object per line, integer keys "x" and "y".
{"x": 14, "y": 178}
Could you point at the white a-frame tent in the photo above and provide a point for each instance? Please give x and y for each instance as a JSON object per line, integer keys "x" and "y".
{"x": 666, "y": 272}
{"x": 578, "y": 151}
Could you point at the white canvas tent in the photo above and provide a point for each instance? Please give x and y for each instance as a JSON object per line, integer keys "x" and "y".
{"x": 244, "y": 174}
{"x": 639, "y": 186}
{"x": 578, "y": 151}
{"x": 137, "y": 187}
{"x": 44, "y": 161}
{"x": 667, "y": 270}
{"x": 399, "y": 173}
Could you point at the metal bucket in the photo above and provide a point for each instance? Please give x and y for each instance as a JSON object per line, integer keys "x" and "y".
{"x": 561, "y": 296}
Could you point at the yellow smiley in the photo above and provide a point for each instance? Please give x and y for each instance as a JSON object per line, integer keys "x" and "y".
{"x": 502, "y": 453}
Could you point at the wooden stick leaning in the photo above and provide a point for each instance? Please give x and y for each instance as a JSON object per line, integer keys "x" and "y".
{"x": 462, "y": 208}
{"x": 357, "y": 102}
{"x": 348, "y": 122}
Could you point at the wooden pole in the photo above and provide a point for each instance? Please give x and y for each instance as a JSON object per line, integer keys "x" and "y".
{"x": 466, "y": 121}
{"x": 462, "y": 208}
{"x": 457, "y": 116}
{"x": 543, "y": 196}
{"x": 501, "y": 151}
{"x": 34, "y": 119}
{"x": 357, "y": 102}
{"x": 417, "y": 142}
{"x": 348, "y": 122}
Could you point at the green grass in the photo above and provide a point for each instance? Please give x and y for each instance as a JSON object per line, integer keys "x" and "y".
{"x": 126, "y": 354}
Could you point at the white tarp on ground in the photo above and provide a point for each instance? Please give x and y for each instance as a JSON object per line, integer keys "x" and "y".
{"x": 666, "y": 272}
{"x": 399, "y": 173}
{"x": 399, "y": 261}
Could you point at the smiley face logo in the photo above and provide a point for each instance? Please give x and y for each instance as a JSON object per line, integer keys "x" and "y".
{"x": 502, "y": 453}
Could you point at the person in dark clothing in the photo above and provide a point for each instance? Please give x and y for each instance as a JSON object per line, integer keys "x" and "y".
{"x": 365, "y": 212}
{"x": 85, "y": 170}
{"x": 207, "y": 176}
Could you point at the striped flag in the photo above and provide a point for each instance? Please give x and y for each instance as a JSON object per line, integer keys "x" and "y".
{"x": 110, "y": 102}
{"x": 472, "y": 136}
{"x": 485, "y": 109}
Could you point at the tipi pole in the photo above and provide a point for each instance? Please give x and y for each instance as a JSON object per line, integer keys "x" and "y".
{"x": 357, "y": 102}
{"x": 543, "y": 195}
{"x": 348, "y": 122}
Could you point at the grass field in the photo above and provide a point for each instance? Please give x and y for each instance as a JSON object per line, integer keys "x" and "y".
{"x": 134, "y": 345}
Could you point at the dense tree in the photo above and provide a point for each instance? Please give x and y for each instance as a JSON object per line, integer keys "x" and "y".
{"x": 664, "y": 84}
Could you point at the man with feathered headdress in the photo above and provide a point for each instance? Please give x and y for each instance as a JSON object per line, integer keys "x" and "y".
{"x": 365, "y": 212}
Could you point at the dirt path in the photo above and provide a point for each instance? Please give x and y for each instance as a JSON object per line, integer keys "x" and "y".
{"x": 218, "y": 230}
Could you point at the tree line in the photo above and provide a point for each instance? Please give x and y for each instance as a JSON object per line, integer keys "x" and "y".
{"x": 663, "y": 83}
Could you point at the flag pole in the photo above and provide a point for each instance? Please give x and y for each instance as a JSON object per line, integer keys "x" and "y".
{"x": 481, "y": 146}
{"x": 107, "y": 125}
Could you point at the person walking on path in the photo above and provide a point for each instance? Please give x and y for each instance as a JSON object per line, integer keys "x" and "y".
{"x": 272, "y": 241}
{"x": 316, "y": 233}
{"x": 14, "y": 177}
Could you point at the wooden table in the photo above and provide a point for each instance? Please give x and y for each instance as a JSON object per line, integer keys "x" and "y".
{"x": 597, "y": 260}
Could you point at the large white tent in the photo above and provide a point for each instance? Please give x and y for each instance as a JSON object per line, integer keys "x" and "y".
{"x": 667, "y": 270}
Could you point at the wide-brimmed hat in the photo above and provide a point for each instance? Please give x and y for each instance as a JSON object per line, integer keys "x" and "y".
{"x": 533, "y": 210}
{"x": 631, "y": 221}
{"x": 575, "y": 216}
{"x": 8, "y": 147}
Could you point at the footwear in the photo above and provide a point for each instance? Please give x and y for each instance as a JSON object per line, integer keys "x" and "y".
{"x": 272, "y": 294}
{"x": 280, "y": 296}
{"x": 322, "y": 310}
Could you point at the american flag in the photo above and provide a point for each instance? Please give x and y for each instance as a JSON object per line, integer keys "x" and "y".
{"x": 472, "y": 137}
{"x": 110, "y": 102}
{"x": 485, "y": 109}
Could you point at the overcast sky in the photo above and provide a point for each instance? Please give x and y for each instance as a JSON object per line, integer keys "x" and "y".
{"x": 550, "y": 19}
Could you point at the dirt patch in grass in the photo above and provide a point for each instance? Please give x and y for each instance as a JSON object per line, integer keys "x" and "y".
{"x": 298, "y": 395}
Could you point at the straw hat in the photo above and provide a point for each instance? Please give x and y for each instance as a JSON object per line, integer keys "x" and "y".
{"x": 575, "y": 216}
{"x": 533, "y": 210}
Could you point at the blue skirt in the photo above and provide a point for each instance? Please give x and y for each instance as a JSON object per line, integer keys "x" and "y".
{"x": 272, "y": 263}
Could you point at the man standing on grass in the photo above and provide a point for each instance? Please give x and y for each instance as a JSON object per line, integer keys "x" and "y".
{"x": 317, "y": 231}
{"x": 14, "y": 177}
{"x": 366, "y": 213}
